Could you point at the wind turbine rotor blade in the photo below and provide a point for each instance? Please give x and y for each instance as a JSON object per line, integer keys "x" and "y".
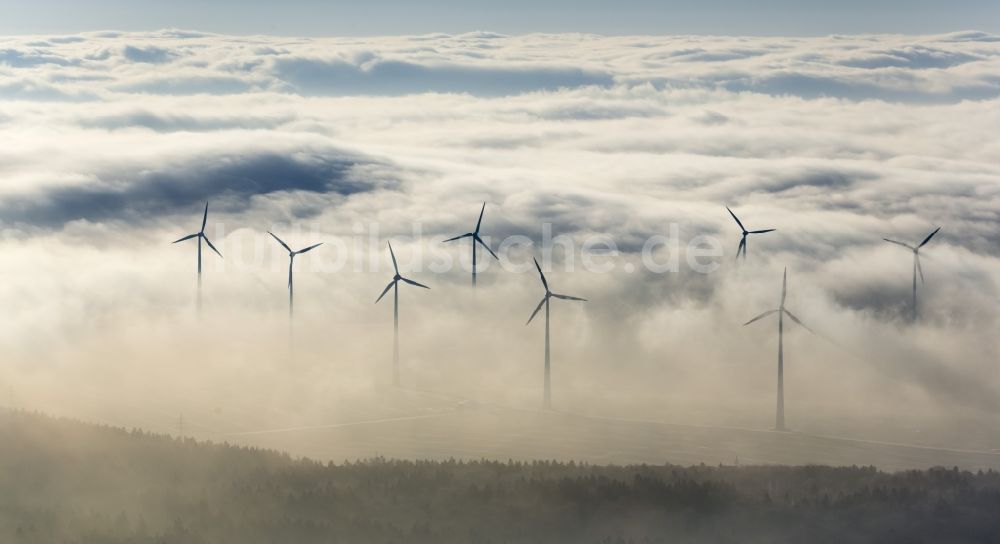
{"x": 411, "y": 282}
{"x": 482, "y": 243}
{"x": 919, "y": 268}
{"x": 291, "y": 261}
{"x": 797, "y": 320}
{"x": 283, "y": 244}
{"x": 393, "y": 255}
{"x": 545, "y": 283}
{"x": 567, "y": 297}
{"x": 204, "y": 218}
{"x": 761, "y": 316}
{"x": 784, "y": 287}
{"x": 466, "y": 235}
{"x": 736, "y": 218}
{"x": 386, "y": 290}
{"x": 188, "y": 237}
{"x": 907, "y": 246}
{"x": 742, "y": 247}
{"x": 761, "y": 231}
{"x": 480, "y": 222}
{"x": 310, "y": 248}
{"x": 539, "y": 307}
{"x": 929, "y": 236}
{"x": 209, "y": 242}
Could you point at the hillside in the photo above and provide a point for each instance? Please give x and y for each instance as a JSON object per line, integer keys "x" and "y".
{"x": 416, "y": 423}
{"x": 66, "y": 481}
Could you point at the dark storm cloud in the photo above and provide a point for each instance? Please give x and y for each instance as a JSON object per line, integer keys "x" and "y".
{"x": 135, "y": 198}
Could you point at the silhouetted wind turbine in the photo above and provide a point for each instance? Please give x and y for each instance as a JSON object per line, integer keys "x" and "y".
{"x": 394, "y": 285}
{"x": 200, "y": 235}
{"x": 475, "y": 239}
{"x": 545, "y": 302}
{"x": 291, "y": 261}
{"x": 916, "y": 264}
{"x": 779, "y": 420}
{"x": 743, "y": 239}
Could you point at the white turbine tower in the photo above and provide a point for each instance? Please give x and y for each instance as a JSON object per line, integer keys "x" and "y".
{"x": 291, "y": 261}
{"x": 742, "y": 248}
{"x": 916, "y": 265}
{"x": 779, "y": 420}
{"x": 475, "y": 239}
{"x": 200, "y": 235}
{"x": 394, "y": 285}
{"x": 545, "y": 302}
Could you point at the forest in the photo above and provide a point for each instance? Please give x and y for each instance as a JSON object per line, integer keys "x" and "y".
{"x": 71, "y": 482}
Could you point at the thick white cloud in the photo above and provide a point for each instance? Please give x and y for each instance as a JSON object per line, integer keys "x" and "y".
{"x": 113, "y": 141}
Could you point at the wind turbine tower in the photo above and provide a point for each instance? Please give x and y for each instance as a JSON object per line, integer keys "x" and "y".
{"x": 291, "y": 261}
{"x": 545, "y": 302}
{"x": 916, "y": 266}
{"x": 779, "y": 418}
{"x": 200, "y": 235}
{"x": 475, "y": 240}
{"x": 394, "y": 285}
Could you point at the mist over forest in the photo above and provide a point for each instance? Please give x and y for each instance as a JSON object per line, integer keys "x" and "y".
{"x": 65, "y": 481}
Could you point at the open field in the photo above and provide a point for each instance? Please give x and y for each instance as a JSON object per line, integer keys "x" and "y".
{"x": 498, "y": 433}
{"x": 410, "y": 424}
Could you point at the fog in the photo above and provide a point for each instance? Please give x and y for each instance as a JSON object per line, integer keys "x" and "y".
{"x": 114, "y": 142}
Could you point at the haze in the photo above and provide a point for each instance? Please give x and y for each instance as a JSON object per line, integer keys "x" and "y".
{"x": 114, "y": 141}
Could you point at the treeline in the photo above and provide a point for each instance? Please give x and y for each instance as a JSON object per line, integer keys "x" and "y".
{"x": 67, "y": 482}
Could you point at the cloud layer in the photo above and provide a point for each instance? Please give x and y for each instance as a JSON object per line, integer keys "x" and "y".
{"x": 114, "y": 140}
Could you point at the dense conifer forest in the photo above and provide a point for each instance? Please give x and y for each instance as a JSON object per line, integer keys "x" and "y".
{"x": 63, "y": 481}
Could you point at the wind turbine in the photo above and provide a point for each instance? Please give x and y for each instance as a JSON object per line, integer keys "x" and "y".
{"x": 742, "y": 248}
{"x": 394, "y": 285}
{"x": 291, "y": 261}
{"x": 916, "y": 264}
{"x": 779, "y": 420}
{"x": 200, "y": 235}
{"x": 545, "y": 302}
{"x": 475, "y": 238}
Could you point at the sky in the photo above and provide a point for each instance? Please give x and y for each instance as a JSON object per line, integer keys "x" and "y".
{"x": 630, "y": 145}
{"x": 393, "y": 17}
